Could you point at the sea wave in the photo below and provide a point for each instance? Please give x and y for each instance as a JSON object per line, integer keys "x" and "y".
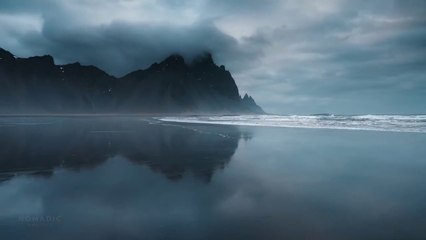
{"x": 389, "y": 123}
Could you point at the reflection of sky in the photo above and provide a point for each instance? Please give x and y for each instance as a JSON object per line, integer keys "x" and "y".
{"x": 291, "y": 183}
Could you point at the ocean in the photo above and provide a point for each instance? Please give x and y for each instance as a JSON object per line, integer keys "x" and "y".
{"x": 386, "y": 123}
{"x": 213, "y": 177}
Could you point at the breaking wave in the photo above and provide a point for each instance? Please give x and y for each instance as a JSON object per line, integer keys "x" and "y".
{"x": 389, "y": 123}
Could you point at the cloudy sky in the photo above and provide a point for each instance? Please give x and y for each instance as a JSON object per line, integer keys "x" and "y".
{"x": 292, "y": 56}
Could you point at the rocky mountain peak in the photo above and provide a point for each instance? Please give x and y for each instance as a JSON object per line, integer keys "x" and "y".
{"x": 204, "y": 58}
{"x": 36, "y": 84}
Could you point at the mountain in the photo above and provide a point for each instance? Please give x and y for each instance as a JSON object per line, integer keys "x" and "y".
{"x": 37, "y": 85}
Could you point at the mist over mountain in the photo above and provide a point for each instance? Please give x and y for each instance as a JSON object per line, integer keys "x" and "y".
{"x": 37, "y": 85}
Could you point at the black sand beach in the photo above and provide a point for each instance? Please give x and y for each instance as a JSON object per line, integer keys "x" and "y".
{"x": 140, "y": 178}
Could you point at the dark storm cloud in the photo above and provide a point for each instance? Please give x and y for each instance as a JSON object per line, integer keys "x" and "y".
{"x": 293, "y": 56}
{"x": 121, "y": 47}
{"x": 365, "y": 58}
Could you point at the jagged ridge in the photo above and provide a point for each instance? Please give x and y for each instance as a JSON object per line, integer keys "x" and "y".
{"x": 37, "y": 85}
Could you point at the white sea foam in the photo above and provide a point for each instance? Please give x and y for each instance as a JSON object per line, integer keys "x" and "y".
{"x": 391, "y": 123}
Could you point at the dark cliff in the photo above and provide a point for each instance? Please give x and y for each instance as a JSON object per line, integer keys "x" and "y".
{"x": 37, "y": 85}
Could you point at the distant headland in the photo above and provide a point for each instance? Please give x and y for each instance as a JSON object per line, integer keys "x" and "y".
{"x": 173, "y": 86}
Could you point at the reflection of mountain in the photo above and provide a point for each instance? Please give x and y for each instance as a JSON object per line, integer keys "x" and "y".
{"x": 37, "y": 145}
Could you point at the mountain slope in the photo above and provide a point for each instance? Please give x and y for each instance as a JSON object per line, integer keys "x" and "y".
{"x": 37, "y": 85}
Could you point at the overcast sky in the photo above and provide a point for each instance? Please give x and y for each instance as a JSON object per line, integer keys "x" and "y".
{"x": 292, "y": 56}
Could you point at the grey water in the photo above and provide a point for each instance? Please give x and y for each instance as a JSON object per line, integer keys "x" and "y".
{"x": 142, "y": 178}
